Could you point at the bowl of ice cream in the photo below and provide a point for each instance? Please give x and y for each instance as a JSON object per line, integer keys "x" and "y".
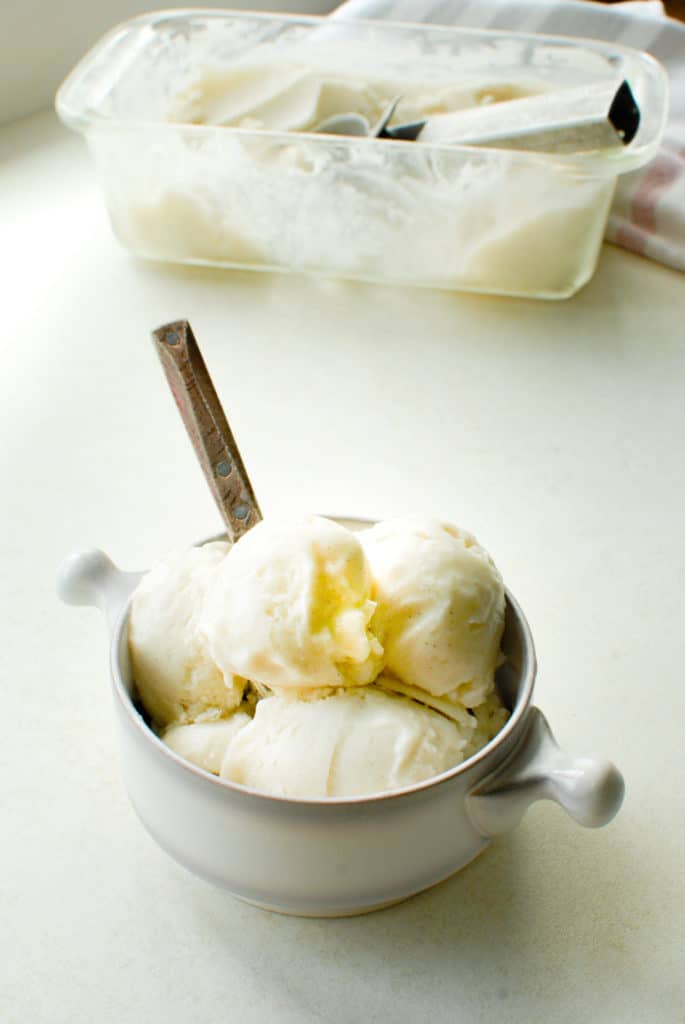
{"x": 330, "y": 716}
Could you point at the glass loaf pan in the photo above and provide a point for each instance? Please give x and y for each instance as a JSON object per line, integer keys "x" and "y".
{"x": 453, "y": 217}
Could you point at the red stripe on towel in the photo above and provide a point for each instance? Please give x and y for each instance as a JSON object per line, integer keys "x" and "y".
{"x": 630, "y": 237}
{"x": 662, "y": 172}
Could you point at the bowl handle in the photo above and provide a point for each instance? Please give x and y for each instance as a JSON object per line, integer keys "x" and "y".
{"x": 91, "y": 578}
{"x": 588, "y": 788}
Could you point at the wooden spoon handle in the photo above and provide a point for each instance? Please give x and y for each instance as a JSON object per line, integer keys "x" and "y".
{"x": 207, "y": 426}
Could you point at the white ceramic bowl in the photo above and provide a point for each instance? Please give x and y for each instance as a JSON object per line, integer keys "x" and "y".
{"x": 341, "y": 856}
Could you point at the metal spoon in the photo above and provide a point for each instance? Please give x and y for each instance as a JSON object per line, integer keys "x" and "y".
{"x": 357, "y": 125}
{"x": 207, "y": 426}
{"x": 344, "y": 124}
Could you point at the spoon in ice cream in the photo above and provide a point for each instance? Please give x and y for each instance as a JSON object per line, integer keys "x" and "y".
{"x": 602, "y": 115}
{"x": 357, "y": 125}
{"x": 207, "y": 426}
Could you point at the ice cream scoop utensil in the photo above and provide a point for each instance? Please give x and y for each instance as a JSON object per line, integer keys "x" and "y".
{"x": 207, "y": 426}
{"x": 598, "y": 116}
{"x": 357, "y": 125}
{"x": 380, "y": 130}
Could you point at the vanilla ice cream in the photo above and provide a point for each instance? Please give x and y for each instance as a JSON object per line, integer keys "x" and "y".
{"x": 352, "y": 743}
{"x": 307, "y": 660}
{"x": 287, "y": 97}
{"x": 176, "y": 677}
{"x": 276, "y": 97}
{"x": 205, "y": 743}
{"x": 289, "y": 608}
{"x": 440, "y": 608}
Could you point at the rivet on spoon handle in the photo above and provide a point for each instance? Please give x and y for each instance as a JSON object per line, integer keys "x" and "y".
{"x": 207, "y": 426}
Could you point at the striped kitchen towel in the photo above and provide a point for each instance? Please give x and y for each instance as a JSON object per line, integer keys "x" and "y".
{"x": 648, "y": 213}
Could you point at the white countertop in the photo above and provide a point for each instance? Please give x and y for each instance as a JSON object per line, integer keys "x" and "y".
{"x": 553, "y": 431}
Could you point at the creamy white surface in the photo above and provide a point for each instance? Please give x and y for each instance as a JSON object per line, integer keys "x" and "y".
{"x": 290, "y": 607}
{"x": 554, "y": 431}
{"x": 277, "y": 98}
{"x": 288, "y": 97}
{"x": 352, "y": 743}
{"x": 439, "y": 607}
{"x": 176, "y": 676}
{"x": 205, "y": 743}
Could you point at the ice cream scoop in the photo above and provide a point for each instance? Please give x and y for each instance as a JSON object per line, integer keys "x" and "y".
{"x": 357, "y": 125}
{"x": 290, "y": 607}
{"x": 602, "y": 115}
{"x": 352, "y": 743}
{"x": 177, "y": 679}
{"x": 439, "y": 607}
{"x": 205, "y": 743}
